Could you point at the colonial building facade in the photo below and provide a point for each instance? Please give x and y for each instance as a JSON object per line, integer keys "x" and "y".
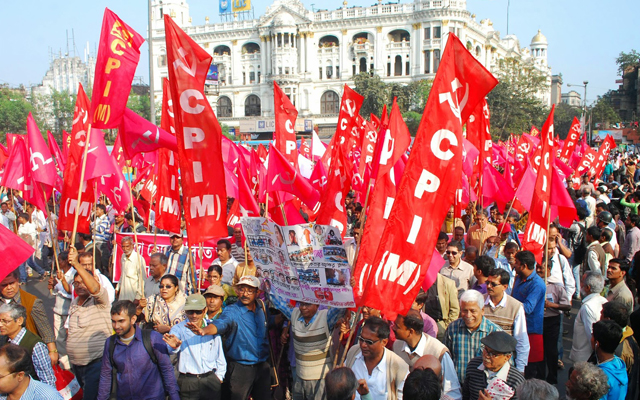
{"x": 312, "y": 55}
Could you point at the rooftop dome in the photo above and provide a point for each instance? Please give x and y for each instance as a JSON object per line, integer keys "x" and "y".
{"x": 283, "y": 18}
{"x": 539, "y": 39}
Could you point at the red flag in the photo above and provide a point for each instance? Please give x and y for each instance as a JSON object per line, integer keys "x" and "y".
{"x": 150, "y": 188}
{"x": 97, "y": 157}
{"x": 18, "y": 175}
{"x": 118, "y": 56}
{"x": 534, "y": 131}
{"x": 199, "y": 137}
{"x": 55, "y": 150}
{"x": 305, "y": 150}
{"x": 331, "y": 211}
{"x": 587, "y": 163}
{"x": 262, "y": 153}
{"x": 470, "y": 157}
{"x": 141, "y": 136}
{"x": 281, "y": 176}
{"x": 369, "y": 136}
{"x": 40, "y": 160}
{"x": 478, "y": 133}
{"x": 115, "y": 186}
{"x": 347, "y": 131}
{"x": 284, "y": 137}
{"x": 69, "y": 202}
{"x": 603, "y": 155}
{"x": 495, "y": 188}
{"x": 572, "y": 140}
{"x": 432, "y": 176}
{"x": 66, "y": 142}
{"x": 536, "y": 230}
{"x": 14, "y": 251}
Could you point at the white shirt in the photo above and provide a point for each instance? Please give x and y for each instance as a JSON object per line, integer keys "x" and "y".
{"x": 562, "y": 273}
{"x": 377, "y": 381}
{"x": 29, "y": 229}
{"x": 583, "y": 327}
{"x": 228, "y": 269}
{"x": 519, "y": 332}
{"x": 450, "y": 384}
{"x": 604, "y": 198}
{"x": 38, "y": 219}
{"x": 7, "y": 219}
{"x": 591, "y": 204}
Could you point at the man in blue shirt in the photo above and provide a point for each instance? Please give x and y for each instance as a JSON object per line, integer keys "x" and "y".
{"x": 529, "y": 289}
{"x": 135, "y": 371}
{"x": 244, "y": 324}
{"x": 16, "y": 382}
{"x": 201, "y": 363}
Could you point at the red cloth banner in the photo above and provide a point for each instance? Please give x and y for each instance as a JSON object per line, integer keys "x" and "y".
{"x": 14, "y": 251}
{"x": 281, "y": 176}
{"x": 285, "y": 135}
{"x": 603, "y": 155}
{"x": 56, "y": 152}
{"x": 587, "y": 162}
{"x": 118, "y": 56}
{"x": 432, "y": 176}
{"x": 141, "y": 136}
{"x": 572, "y": 140}
{"x": 69, "y": 202}
{"x": 18, "y": 175}
{"x": 43, "y": 169}
{"x": 478, "y": 133}
{"x": 115, "y": 186}
{"x": 199, "y": 137}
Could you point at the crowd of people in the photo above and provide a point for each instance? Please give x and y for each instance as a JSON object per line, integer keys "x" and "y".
{"x": 490, "y": 326}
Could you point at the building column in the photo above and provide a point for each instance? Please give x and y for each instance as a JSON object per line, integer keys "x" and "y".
{"x": 379, "y": 62}
{"x": 302, "y": 53}
{"x": 263, "y": 57}
{"x": 416, "y": 46}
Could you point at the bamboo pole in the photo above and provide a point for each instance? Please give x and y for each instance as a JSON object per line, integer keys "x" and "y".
{"x": 362, "y": 221}
{"x": 266, "y": 207}
{"x": 95, "y": 217}
{"x": 284, "y": 216}
{"x": 201, "y": 269}
{"x": 351, "y": 333}
{"x": 192, "y": 267}
{"x": 82, "y": 171}
{"x": 135, "y": 232}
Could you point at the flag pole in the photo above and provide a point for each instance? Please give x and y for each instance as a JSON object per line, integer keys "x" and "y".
{"x": 201, "y": 273}
{"x": 82, "y": 171}
{"x": 192, "y": 268}
{"x": 266, "y": 207}
{"x": 284, "y": 216}
{"x": 95, "y": 213}
{"x": 546, "y": 248}
{"x": 362, "y": 221}
{"x": 54, "y": 243}
{"x": 133, "y": 216}
{"x": 351, "y": 333}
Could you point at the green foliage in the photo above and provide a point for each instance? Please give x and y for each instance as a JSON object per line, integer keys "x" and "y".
{"x": 412, "y": 119}
{"x": 563, "y": 117}
{"x": 603, "y": 111}
{"x": 513, "y": 103}
{"x": 225, "y": 132}
{"x": 627, "y": 60}
{"x": 374, "y": 91}
{"x": 140, "y": 104}
{"x": 14, "y": 109}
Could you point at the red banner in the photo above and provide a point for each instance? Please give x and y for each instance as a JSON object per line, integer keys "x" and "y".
{"x": 603, "y": 155}
{"x": 141, "y": 136}
{"x": 199, "y": 137}
{"x": 572, "y": 140}
{"x": 285, "y": 135}
{"x": 69, "y": 202}
{"x": 43, "y": 169}
{"x": 118, "y": 56}
{"x": 427, "y": 189}
{"x": 587, "y": 162}
{"x": 478, "y": 133}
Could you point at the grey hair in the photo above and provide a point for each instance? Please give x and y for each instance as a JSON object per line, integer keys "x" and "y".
{"x": 162, "y": 258}
{"x": 595, "y": 281}
{"x": 15, "y": 311}
{"x": 590, "y": 380}
{"x": 127, "y": 239}
{"x": 471, "y": 296}
{"x": 535, "y": 389}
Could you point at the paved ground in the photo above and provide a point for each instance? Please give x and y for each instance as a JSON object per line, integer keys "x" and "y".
{"x": 39, "y": 289}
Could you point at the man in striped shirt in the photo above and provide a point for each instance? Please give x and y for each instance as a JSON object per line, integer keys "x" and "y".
{"x": 463, "y": 335}
{"x": 101, "y": 233}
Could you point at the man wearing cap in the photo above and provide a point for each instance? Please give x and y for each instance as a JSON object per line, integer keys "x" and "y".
{"x": 245, "y": 326}
{"x": 492, "y": 364}
{"x": 178, "y": 261}
{"x": 157, "y": 269}
{"x": 201, "y": 364}
{"x": 605, "y": 221}
{"x": 214, "y": 296}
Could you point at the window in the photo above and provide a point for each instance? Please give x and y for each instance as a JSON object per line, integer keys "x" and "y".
{"x": 427, "y": 33}
{"x": 452, "y": 30}
{"x": 363, "y": 64}
{"x": 286, "y": 70}
{"x": 436, "y": 60}
{"x": 329, "y": 102}
{"x": 244, "y": 78}
{"x": 252, "y": 77}
{"x": 329, "y": 72}
{"x": 397, "y": 66}
{"x": 427, "y": 61}
{"x": 224, "y": 107}
{"x": 320, "y": 73}
{"x": 436, "y": 32}
{"x": 337, "y": 71}
{"x": 407, "y": 72}
{"x": 252, "y": 106}
{"x": 162, "y": 61}
{"x": 388, "y": 69}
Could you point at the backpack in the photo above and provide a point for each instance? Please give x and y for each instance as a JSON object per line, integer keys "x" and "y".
{"x": 580, "y": 249}
{"x": 146, "y": 341}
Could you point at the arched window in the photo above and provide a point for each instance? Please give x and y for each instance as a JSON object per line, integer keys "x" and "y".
{"x": 329, "y": 102}
{"x": 397, "y": 69}
{"x": 478, "y": 51}
{"x": 363, "y": 64}
{"x": 224, "y": 107}
{"x": 252, "y": 106}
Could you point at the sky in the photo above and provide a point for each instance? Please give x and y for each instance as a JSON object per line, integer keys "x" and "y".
{"x": 585, "y": 36}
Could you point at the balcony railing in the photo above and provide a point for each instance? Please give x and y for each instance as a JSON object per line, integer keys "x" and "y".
{"x": 251, "y": 57}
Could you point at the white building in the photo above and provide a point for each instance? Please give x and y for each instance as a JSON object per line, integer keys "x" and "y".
{"x": 312, "y": 55}
{"x": 65, "y": 73}
{"x": 572, "y": 98}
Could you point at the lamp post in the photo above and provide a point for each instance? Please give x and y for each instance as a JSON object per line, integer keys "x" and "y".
{"x": 584, "y": 113}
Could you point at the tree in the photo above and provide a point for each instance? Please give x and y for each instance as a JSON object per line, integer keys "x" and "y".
{"x": 140, "y": 104}
{"x": 563, "y": 117}
{"x": 14, "y": 109}
{"x": 603, "y": 111}
{"x": 412, "y": 119}
{"x": 627, "y": 61}
{"x": 374, "y": 92}
{"x": 514, "y": 104}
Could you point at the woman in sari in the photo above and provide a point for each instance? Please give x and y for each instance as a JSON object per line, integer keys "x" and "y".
{"x": 167, "y": 309}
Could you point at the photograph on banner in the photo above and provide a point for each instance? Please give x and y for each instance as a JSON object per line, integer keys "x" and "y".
{"x": 305, "y": 262}
{"x": 163, "y": 245}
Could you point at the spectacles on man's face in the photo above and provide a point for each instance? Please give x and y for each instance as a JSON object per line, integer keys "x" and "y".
{"x": 6, "y": 321}
{"x": 491, "y": 353}
{"x": 4, "y": 376}
{"x": 191, "y": 312}
{"x": 452, "y": 253}
{"x": 246, "y": 290}
{"x": 493, "y": 284}
{"x": 368, "y": 342}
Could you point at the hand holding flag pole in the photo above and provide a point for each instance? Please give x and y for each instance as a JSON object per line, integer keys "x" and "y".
{"x": 80, "y": 188}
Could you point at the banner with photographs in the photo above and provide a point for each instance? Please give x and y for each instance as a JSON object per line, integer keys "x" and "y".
{"x": 306, "y": 262}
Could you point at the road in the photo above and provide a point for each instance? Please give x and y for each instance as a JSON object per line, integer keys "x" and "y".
{"x": 35, "y": 287}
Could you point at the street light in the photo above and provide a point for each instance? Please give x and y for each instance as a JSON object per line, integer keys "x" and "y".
{"x": 584, "y": 85}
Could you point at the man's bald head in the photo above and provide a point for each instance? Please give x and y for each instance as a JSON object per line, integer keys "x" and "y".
{"x": 429, "y": 362}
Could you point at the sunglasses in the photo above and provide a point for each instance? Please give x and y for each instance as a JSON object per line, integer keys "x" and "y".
{"x": 493, "y": 284}
{"x": 191, "y": 312}
{"x": 166, "y": 286}
{"x": 369, "y": 342}
{"x": 453, "y": 253}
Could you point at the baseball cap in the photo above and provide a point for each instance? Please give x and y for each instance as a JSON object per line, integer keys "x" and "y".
{"x": 249, "y": 280}
{"x": 172, "y": 234}
{"x": 215, "y": 290}
{"x": 195, "y": 302}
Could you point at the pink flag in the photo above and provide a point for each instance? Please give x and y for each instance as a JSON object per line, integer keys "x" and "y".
{"x": 14, "y": 251}
{"x": 495, "y": 188}
{"x": 115, "y": 186}
{"x": 469, "y": 157}
{"x": 317, "y": 147}
{"x": 18, "y": 176}
{"x": 40, "y": 160}
{"x": 57, "y": 153}
{"x": 283, "y": 177}
{"x": 437, "y": 262}
{"x": 98, "y": 163}
{"x": 141, "y": 136}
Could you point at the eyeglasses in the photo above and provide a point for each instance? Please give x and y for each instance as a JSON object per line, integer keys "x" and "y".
{"x": 493, "y": 284}
{"x": 368, "y": 342}
{"x": 6, "y": 321}
{"x": 166, "y": 286}
{"x": 491, "y": 353}
{"x": 246, "y": 290}
{"x": 190, "y": 312}
{"x": 4, "y": 376}
{"x": 453, "y": 253}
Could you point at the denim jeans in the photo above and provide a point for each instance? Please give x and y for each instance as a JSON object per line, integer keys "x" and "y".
{"x": 32, "y": 262}
{"x": 89, "y": 378}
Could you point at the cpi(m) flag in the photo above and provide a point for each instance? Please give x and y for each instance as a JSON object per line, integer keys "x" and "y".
{"x": 281, "y": 176}
{"x": 141, "y": 136}
{"x": 115, "y": 186}
{"x": 118, "y": 56}
{"x": 18, "y": 175}
{"x": 285, "y": 135}
{"x": 572, "y": 140}
{"x": 603, "y": 155}
{"x": 56, "y": 152}
{"x": 535, "y": 233}
{"x": 432, "y": 176}
{"x": 199, "y": 137}
{"x": 43, "y": 169}
{"x": 14, "y": 251}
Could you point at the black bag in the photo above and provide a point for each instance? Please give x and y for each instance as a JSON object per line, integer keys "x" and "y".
{"x": 149, "y": 324}
{"x": 146, "y": 340}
